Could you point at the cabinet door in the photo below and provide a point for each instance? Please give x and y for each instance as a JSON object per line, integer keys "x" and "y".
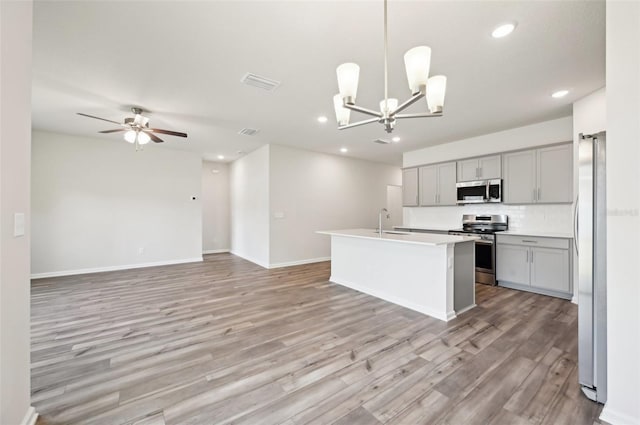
{"x": 428, "y": 185}
{"x": 467, "y": 170}
{"x": 410, "y": 187}
{"x": 490, "y": 167}
{"x": 550, "y": 269}
{"x": 512, "y": 263}
{"x": 519, "y": 175}
{"x": 447, "y": 184}
{"x": 555, "y": 174}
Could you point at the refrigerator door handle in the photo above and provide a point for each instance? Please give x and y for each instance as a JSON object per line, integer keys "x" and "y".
{"x": 575, "y": 225}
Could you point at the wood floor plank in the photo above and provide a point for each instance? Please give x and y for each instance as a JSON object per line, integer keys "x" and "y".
{"x": 226, "y": 341}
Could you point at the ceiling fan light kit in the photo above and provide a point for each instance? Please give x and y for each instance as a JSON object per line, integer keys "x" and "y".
{"x": 417, "y": 63}
{"x": 137, "y": 130}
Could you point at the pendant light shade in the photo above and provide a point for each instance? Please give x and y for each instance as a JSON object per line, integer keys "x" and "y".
{"x": 348, "y": 75}
{"x": 391, "y": 103}
{"x": 143, "y": 138}
{"x": 130, "y": 136}
{"x": 436, "y": 88}
{"x": 342, "y": 114}
{"x": 417, "y": 62}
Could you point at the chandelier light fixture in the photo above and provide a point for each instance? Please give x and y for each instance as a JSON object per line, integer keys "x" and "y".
{"x": 417, "y": 62}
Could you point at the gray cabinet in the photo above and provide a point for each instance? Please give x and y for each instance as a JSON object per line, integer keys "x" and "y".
{"x": 519, "y": 181}
{"x": 437, "y": 184}
{"x": 410, "y": 187}
{"x": 487, "y": 167}
{"x": 542, "y": 175}
{"x": 555, "y": 174}
{"x": 534, "y": 264}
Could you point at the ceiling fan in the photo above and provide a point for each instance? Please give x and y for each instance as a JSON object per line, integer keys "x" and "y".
{"x": 137, "y": 130}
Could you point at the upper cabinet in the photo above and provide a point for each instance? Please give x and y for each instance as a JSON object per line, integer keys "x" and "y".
{"x": 542, "y": 175}
{"x": 555, "y": 174}
{"x": 485, "y": 168}
{"x": 410, "y": 187}
{"x": 438, "y": 184}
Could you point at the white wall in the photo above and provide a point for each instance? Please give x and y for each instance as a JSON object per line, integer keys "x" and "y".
{"x": 15, "y": 141}
{"x": 623, "y": 218}
{"x": 97, "y": 203}
{"x": 548, "y": 132}
{"x": 311, "y": 191}
{"x": 216, "y": 224}
{"x": 249, "y": 186}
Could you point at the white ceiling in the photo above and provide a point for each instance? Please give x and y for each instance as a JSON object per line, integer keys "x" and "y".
{"x": 183, "y": 61}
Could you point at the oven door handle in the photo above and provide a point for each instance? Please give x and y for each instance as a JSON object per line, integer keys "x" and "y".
{"x": 484, "y": 242}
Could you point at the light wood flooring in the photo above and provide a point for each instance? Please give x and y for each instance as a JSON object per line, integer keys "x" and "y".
{"x": 228, "y": 342}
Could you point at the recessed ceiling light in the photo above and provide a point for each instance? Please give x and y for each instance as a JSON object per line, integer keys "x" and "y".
{"x": 322, "y": 119}
{"x": 344, "y": 150}
{"x": 220, "y": 156}
{"x": 395, "y": 139}
{"x": 503, "y": 30}
{"x": 560, "y": 93}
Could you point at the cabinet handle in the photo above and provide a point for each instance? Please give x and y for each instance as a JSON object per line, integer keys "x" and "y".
{"x": 531, "y": 257}
{"x": 527, "y": 252}
{"x": 529, "y": 241}
{"x": 539, "y": 194}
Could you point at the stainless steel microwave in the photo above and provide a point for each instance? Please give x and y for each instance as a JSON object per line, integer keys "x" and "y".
{"x": 479, "y": 192}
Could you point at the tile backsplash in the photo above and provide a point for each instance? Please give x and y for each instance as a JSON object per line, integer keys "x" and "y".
{"x": 543, "y": 218}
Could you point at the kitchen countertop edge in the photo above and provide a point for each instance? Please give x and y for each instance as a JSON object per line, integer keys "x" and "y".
{"x": 410, "y": 238}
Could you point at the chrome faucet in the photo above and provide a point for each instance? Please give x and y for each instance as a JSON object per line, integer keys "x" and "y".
{"x": 380, "y": 219}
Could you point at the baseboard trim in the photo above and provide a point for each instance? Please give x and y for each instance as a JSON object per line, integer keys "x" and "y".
{"x": 395, "y": 300}
{"x": 617, "y": 418}
{"x": 114, "y": 268}
{"x": 299, "y": 262}
{"x": 30, "y": 417}
{"x": 574, "y": 299}
{"x": 254, "y": 261}
{"x": 215, "y": 251}
{"x": 467, "y": 308}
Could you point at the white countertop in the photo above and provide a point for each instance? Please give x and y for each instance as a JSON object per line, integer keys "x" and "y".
{"x": 405, "y": 237}
{"x": 538, "y": 233}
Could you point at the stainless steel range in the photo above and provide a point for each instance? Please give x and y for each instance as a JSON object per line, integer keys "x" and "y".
{"x": 485, "y": 227}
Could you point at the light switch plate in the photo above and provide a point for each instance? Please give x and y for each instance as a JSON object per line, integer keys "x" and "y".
{"x": 18, "y": 224}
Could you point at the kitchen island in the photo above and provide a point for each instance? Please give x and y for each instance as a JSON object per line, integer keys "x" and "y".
{"x": 433, "y": 274}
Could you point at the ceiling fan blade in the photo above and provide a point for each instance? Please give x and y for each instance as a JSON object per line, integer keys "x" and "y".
{"x": 98, "y": 118}
{"x": 112, "y": 131}
{"x": 155, "y": 138}
{"x": 169, "y": 132}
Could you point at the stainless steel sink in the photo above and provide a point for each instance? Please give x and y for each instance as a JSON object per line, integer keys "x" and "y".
{"x": 391, "y": 232}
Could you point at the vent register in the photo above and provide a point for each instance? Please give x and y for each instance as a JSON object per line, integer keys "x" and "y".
{"x": 258, "y": 81}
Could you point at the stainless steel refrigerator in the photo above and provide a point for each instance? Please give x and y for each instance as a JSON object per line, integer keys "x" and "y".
{"x": 591, "y": 244}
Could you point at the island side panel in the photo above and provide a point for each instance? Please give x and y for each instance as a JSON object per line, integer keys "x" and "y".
{"x": 464, "y": 289}
{"x": 415, "y": 276}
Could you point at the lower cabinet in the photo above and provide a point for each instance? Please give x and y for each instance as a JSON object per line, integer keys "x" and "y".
{"x": 535, "y": 264}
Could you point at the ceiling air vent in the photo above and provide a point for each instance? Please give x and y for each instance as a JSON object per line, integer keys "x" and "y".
{"x": 248, "y": 131}
{"x": 382, "y": 141}
{"x": 260, "y": 82}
